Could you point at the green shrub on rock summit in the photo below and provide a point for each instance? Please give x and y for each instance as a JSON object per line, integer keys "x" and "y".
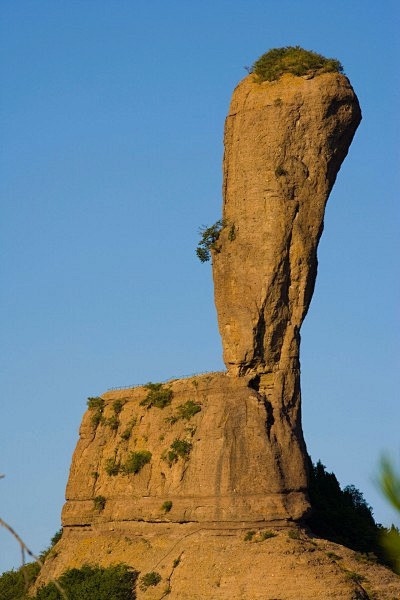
{"x": 294, "y": 60}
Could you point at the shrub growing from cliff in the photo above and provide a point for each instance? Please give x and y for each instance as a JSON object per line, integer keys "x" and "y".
{"x": 96, "y": 405}
{"x": 178, "y": 449}
{"x": 294, "y": 60}
{"x": 208, "y": 240}
{"x": 149, "y": 579}
{"x": 158, "y": 396}
{"x": 136, "y": 461}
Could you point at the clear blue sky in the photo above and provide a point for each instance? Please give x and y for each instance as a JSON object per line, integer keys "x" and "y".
{"x": 112, "y": 117}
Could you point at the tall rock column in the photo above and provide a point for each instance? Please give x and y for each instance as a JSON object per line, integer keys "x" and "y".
{"x": 285, "y": 141}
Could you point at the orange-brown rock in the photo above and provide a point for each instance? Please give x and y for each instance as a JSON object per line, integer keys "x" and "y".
{"x": 285, "y": 141}
{"x": 232, "y": 471}
{"x": 200, "y": 562}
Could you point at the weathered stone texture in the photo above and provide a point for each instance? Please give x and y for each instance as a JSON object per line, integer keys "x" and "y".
{"x": 284, "y": 143}
{"x": 234, "y": 471}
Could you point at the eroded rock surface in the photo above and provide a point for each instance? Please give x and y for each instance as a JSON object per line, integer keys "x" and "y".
{"x": 231, "y": 469}
{"x": 236, "y": 463}
{"x": 284, "y": 143}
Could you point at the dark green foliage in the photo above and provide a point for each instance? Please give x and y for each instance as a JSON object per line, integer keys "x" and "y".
{"x": 93, "y": 583}
{"x": 389, "y": 482}
{"x": 188, "y": 410}
{"x": 149, "y": 579}
{"x": 113, "y": 422}
{"x": 390, "y": 542}
{"x": 178, "y": 449}
{"x": 126, "y": 434}
{"x": 112, "y": 467}
{"x": 166, "y": 506}
{"x": 136, "y": 461}
{"x": 232, "y": 233}
{"x": 56, "y": 537}
{"x": 354, "y": 576}
{"x": 294, "y": 60}
{"x": 266, "y": 535}
{"x": 96, "y": 403}
{"x": 294, "y": 534}
{"x": 99, "y": 503}
{"x": 158, "y": 395}
{"x": 118, "y": 406}
{"x": 185, "y": 411}
{"x": 333, "y": 556}
{"x": 342, "y": 516}
{"x": 208, "y": 240}
{"x": 249, "y": 536}
{"x": 181, "y": 447}
{"x": 14, "y": 584}
{"x": 97, "y": 406}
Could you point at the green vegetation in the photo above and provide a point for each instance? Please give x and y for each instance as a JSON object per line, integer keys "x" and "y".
{"x": 126, "y": 434}
{"x": 208, "y": 240}
{"x": 266, "y": 535}
{"x": 136, "y": 461}
{"x": 149, "y": 579}
{"x": 342, "y": 516}
{"x": 249, "y": 536}
{"x": 333, "y": 556}
{"x": 56, "y": 537}
{"x": 112, "y": 466}
{"x": 354, "y": 576}
{"x": 294, "y": 534}
{"x": 178, "y": 449}
{"x": 185, "y": 411}
{"x": 99, "y": 503}
{"x": 232, "y": 233}
{"x": 14, "y": 584}
{"x": 93, "y": 583}
{"x": 261, "y": 537}
{"x": 96, "y": 404}
{"x": 112, "y": 422}
{"x": 158, "y": 395}
{"x": 166, "y": 506}
{"x": 118, "y": 406}
{"x": 188, "y": 410}
{"x": 389, "y": 483}
{"x": 295, "y": 60}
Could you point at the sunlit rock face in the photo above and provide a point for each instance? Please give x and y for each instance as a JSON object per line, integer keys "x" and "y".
{"x": 225, "y": 453}
{"x": 284, "y": 144}
{"x": 285, "y": 141}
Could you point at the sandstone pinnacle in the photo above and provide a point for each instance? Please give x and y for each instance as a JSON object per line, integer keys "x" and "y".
{"x": 285, "y": 141}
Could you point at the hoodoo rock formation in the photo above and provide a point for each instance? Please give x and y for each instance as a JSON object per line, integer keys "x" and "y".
{"x": 170, "y": 478}
{"x": 285, "y": 141}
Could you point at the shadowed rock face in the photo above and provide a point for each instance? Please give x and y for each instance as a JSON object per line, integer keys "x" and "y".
{"x": 284, "y": 143}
